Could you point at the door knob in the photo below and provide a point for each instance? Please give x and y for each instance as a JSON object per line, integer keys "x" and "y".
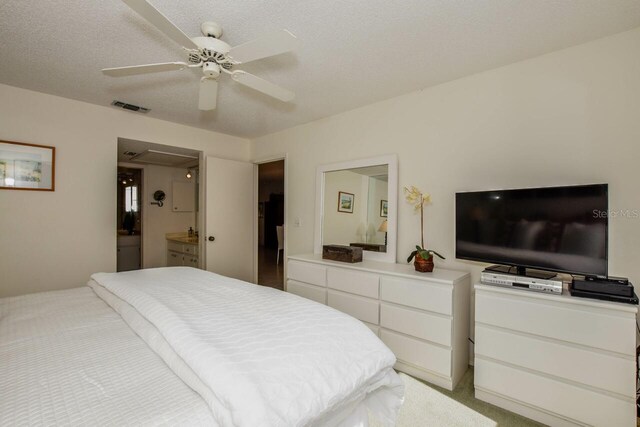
{"x": 211, "y": 238}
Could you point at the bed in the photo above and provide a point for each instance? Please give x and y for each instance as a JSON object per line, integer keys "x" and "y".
{"x": 181, "y": 346}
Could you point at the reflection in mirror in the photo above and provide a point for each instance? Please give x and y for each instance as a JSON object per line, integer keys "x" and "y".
{"x": 355, "y": 207}
{"x": 129, "y": 201}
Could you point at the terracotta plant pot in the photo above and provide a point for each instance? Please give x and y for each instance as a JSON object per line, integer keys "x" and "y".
{"x": 423, "y": 265}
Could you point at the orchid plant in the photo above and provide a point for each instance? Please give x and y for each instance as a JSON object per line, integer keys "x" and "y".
{"x": 419, "y": 199}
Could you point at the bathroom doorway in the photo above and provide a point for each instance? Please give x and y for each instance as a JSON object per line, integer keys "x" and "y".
{"x": 129, "y": 216}
{"x": 271, "y": 215}
{"x": 158, "y": 206}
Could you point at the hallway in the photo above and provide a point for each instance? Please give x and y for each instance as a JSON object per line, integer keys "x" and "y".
{"x": 269, "y": 273}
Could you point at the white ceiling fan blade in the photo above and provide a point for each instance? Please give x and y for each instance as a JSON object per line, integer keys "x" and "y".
{"x": 261, "y": 85}
{"x": 155, "y": 17}
{"x": 273, "y": 44}
{"x": 144, "y": 69}
{"x": 208, "y": 94}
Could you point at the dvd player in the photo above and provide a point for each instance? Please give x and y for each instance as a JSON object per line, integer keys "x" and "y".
{"x": 549, "y": 286}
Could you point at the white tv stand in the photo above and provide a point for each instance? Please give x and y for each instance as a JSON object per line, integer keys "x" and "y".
{"x": 557, "y": 359}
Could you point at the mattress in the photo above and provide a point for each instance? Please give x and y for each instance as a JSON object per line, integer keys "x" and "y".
{"x": 67, "y": 358}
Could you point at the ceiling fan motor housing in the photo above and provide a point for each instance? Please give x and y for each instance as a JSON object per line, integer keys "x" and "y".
{"x": 211, "y": 50}
{"x": 211, "y": 29}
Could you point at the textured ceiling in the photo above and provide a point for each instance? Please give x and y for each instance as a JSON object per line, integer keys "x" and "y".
{"x": 353, "y": 52}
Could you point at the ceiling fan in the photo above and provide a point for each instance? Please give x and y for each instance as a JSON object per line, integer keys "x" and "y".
{"x": 214, "y": 56}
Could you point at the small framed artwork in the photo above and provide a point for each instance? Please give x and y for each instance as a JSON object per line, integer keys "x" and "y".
{"x": 27, "y": 166}
{"x": 384, "y": 205}
{"x": 345, "y": 202}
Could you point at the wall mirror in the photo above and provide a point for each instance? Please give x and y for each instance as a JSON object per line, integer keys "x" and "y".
{"x": 356, "y": 204}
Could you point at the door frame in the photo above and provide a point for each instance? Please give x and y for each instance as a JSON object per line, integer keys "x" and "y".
{"x": 256, "y": 162}
{"x": 201, "y": 212}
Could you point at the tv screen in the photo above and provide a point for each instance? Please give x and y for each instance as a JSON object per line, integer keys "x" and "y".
{"x": 562, "y": 229}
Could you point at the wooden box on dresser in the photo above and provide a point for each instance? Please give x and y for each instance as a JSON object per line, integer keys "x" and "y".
{"x": 422, "y": 317}
{"x": 558, "y": 359}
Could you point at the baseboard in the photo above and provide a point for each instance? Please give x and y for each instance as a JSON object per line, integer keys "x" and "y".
{"x": 432, "y": 378}
{"x": 524, "y": 410}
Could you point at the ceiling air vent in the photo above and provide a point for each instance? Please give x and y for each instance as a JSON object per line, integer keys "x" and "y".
{"x": 130, "y": 107}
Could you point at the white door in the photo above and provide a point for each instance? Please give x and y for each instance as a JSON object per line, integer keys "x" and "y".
{"x": 230, "y": 218}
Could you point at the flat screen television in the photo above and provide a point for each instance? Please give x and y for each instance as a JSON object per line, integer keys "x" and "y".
{"x": 559, "y": 229}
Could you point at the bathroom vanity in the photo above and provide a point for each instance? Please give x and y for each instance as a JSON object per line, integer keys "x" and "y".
{"x": 182, "y": 250}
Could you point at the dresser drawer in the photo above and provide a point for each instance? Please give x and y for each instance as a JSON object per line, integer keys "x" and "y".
{"x": 174, "y": 259}
{"x": 418, "y": 353}
{"x": 361, "y": 308}
{"x": 191, "y": 261}
{"x": 311, "y": 292}
{"x": 567, "y": 400}
{"x": 190, "y": 249}
{"x": 419, "y": 324}
{"x": 174, "y": 246}
{"x": 598, "y": 328}
{"x": 355, "y": 282}
{"x": 429, "y": 296}
{"x": 615, "y": 374}
{"x": 307, "y": 273}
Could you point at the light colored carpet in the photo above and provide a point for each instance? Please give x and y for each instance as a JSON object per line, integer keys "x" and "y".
{"x": 424, "y": 406}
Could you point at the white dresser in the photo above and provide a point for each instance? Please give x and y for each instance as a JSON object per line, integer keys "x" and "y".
{"x": 557, "y": 359}
{"x": 422, "y": 317}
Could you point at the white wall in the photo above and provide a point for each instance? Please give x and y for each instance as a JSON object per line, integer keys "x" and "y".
{"x": 55, "y": 240}
{"x": 570, "y": 117}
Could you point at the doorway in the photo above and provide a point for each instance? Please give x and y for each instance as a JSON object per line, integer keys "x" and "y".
{"x": 271, "y": 232}
{"x": 158, "y": 209}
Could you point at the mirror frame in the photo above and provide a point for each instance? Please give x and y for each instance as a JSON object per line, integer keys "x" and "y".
{"x": 391, "y": 161}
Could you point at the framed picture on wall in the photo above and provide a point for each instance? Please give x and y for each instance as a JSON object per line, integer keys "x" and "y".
{"x": 384, "y": 205}
{"x": 27, "y": 166}
{"x": 345, "y": 202}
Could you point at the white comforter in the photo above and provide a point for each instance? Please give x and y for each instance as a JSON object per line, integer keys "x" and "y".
{"x": 258, "y": 357}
